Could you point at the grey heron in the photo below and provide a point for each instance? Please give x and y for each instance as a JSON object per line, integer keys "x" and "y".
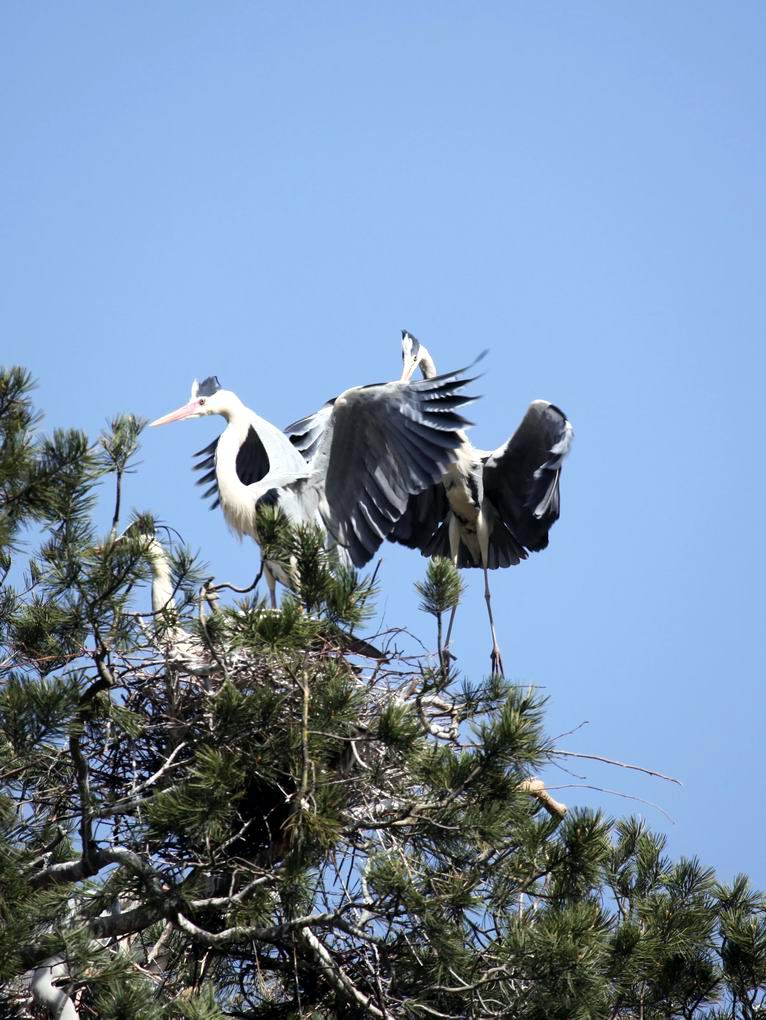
{"x": 491, "y": 508}
{"x": 379, "y": 445}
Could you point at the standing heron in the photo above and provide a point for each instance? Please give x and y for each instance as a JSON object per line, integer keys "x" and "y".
{"x": 491, "y": 508}
{"x": 379, "y": 445}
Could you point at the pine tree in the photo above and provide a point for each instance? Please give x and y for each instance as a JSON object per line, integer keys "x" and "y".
{"x": 214, "y": 809}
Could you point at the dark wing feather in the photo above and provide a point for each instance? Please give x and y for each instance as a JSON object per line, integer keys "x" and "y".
{"x": 418, "y": 524}
{"x": 252, "y": 465}
{"x": 252, "y": 460}
{"x": 207, "y": 464}
{"x": 504, "y": 550}
{"x": 521, "y": 479}
{"x": 381, "y": 445}
{"x": 306, "y": 433}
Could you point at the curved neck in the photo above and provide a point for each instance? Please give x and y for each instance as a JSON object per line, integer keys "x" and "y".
{"x": 252, "y": 456}
{"x": 162, "y": 581}
{"x": 426, "y": 364}
{"x": 232, "y": 408}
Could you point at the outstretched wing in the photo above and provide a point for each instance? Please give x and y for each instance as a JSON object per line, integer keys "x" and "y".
{"x": 521, "y": 478}
{"x": 306, "y": 433}
{"x": 419, "y": 523}
{"x": 381, "y": 445}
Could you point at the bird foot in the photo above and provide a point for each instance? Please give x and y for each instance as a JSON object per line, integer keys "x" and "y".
{"x": 496, "y": 662}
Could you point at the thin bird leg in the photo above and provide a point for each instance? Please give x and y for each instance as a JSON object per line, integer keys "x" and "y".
{"x": 449, "y": 631}
{"x": 446, "y": 655}
{"x": 454, "y": 544}
{"x": 496, "y": 660}
{"x": 271, "y": 581}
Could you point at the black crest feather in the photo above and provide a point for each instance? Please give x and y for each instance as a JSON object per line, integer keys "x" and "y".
{"x": 208, "y": 386}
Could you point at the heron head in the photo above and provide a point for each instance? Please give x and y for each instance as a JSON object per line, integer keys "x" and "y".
{"x": 410, "y": 355}
{"x": 415, "y": 355}
{"x": 207, "y": 397}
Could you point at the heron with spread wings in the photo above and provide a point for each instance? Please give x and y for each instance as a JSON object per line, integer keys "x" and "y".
{"x": 491, "y": 507}
{"x": 488, "y": 509}
{"x": 378, "y": 446}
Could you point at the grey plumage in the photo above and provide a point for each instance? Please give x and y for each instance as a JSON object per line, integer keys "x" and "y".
{"x": 377, "y": 446}
{"x": 522, "y": 477}
{"x": 490, "y": 508}
{"x": 306, "y": 432}
{"x": 517, "y": 487}
{"x": 382, "y": 444}
{"x": 513, "y": 491}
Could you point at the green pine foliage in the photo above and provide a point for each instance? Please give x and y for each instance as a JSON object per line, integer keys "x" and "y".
{"x": 218, "y": 809}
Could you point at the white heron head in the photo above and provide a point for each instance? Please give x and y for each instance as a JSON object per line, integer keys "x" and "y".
{"x": 415, "y": 355}
{"x": 207, "y": 397}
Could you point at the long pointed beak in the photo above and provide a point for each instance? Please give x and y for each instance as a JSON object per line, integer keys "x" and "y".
{"x": 408, "y": 371}
{"x": 183, "y": 412}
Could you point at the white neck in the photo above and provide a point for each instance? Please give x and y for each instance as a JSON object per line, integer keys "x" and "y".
{"x": 426, "y": 363}
{"x": 176, "y": 642}
{"x": 231, "y": 407}
{"x": 162, "y": 582}
{"x": 286, "y": 465}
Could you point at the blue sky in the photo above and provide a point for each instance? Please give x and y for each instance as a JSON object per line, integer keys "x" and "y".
{"x": 271, "y": 192}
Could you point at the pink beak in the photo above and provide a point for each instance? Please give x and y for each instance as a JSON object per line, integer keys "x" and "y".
{"x": 183, "y": 412}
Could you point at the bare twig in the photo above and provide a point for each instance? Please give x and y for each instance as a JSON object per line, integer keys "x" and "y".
{"x": 105, "y": 677}
{"x": 271, "y": 933}
{"x": 616, "y": 793}
{"x": 225, "y": 586}
{"x": 129, "y": 802}
{"x": 568, "y": 733}
{"x": 620, "y": 764}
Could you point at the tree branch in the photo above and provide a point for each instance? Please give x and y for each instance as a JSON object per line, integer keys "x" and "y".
{"x": 274, "y": 933}
{"x": 621, "y": 764}
{"x": 337, "y": 977}
{"x": 536, "y": 787}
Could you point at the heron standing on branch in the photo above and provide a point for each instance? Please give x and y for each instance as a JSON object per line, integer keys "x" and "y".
{"x": 491, "y": 508}
{"x": 379, "y": 445}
